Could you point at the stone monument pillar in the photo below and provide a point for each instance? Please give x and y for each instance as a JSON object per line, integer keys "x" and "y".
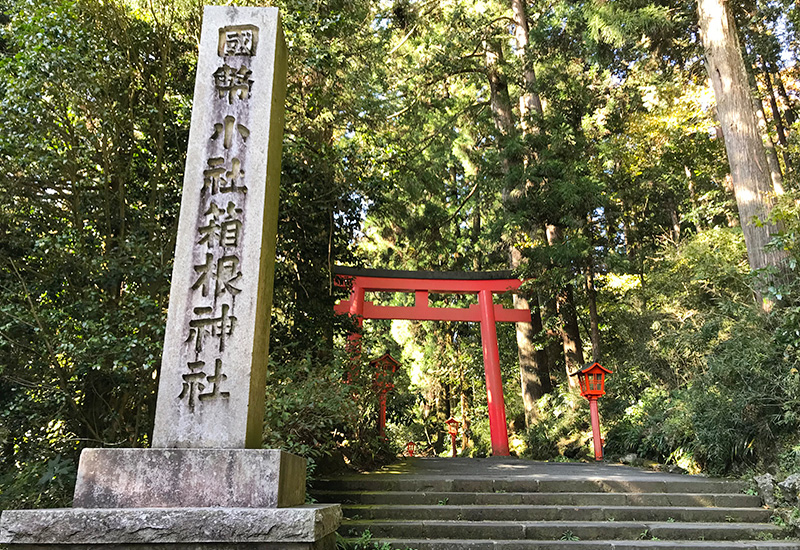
{"x": 206, "y": 482}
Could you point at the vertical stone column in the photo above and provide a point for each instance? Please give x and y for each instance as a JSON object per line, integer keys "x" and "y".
{"x": 211, "y": 391}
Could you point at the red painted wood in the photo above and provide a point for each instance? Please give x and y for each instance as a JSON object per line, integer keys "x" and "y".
{"x": 595, "y": 418}
{"x": 382, "y": 415}
{"x": 485, "y": 312}
{"x": 444, "y": 286}
{"x": 424, "y": 313}
{"x": 494, "y": 381}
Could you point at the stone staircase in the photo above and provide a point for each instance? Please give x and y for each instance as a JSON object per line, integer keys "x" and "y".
{"x": 512, "y": 504}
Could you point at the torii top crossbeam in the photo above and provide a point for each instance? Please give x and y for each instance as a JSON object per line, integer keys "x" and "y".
{"x": 421, "y": 283}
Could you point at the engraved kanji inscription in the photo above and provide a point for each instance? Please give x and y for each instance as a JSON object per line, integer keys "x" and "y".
{"x": 228, "y": 129}
{"x": 224, "y": 273}
{"x": 233, "y": 83}
{"x": 204, "y": 275}
{"x": 215, "y": 380}
{"x": 238, "y": 41}
{"x": 223, "y": 226}
{"x": 228, "y": 275}
{"x": 219, "y": 328}
{"x": 193, "y": 383}
{"x": 219, "y": 179}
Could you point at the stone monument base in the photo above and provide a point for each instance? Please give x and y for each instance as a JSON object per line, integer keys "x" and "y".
{"x": 180, "y": 499}
{"x": 189, "y": 478}
{"x": 304, "y": 527}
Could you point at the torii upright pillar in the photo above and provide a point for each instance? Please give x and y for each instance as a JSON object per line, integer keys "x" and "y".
{"x": 495, "y": 401}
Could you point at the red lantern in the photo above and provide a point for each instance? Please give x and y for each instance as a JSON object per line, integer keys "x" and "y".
{"x": 385, "y": 366}
{"x": 593, "y": 381}
{"x": 452, "y": 429}
{"x": 452, "y": 425}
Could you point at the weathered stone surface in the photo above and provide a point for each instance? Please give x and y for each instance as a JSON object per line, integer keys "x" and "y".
{"x": 791, "y": 489}
{"x": 61, "y": 526}
{"x": 211, "y": 391}
{"x": 630, "y": 458}
{"x": 328, "y": 543}
{"x": 165, "y": 478}
{"x": 766, "y": 489}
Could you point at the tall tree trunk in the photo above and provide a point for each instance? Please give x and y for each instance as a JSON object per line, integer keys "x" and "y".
{"x": 591, "y": 292}
{"x": 534, "y": 384}
{"x": 533, "y": 372}
{"x": 540, "y": 355}
{"x": 594, "y": 318}
{"x": 570, "y": 330}
{"x": 529, "y": 101}
{"x": 570, "y": 333}
{"x": 504, "y": 121}
{"x": 777, "y": 119}
{"x": 789, "y": 113}
{"x": 675, "y": 219}
{"x": 749, "y": 174}
{"x": 553, "y": 342}
{"x": 769, "y": 146}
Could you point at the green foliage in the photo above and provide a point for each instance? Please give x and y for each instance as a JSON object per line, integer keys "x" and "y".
{"x": 561, "y": 433}
{"x": 569, "y": 535}
{"x": 364, "y": 542}
{"x": 309, "y": 411}
{"x": 87, "y": 222}
{"x": 723, "y": 391}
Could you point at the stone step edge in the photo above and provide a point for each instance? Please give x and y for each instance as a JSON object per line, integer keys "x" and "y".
{"x": 587, "y": 507}
{"x": 486, "y": 544}
{"x": 519, "y": 530}
{"x": 703, "y": 485}
{"x": 334, "y": 492}
{"x": 393, "y": 496}
{"x": 411, "y": 512}
{"x": 689, "y": 525}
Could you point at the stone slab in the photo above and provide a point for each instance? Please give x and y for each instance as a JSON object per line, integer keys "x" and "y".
{"x": 156, "y": 526}
{"x": 328, "y": 543}
{"x": 216, "y": 346}
{"x": 166, "y": 478}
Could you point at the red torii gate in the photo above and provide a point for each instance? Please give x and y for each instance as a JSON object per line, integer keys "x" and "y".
{"x": 486, "y": 312}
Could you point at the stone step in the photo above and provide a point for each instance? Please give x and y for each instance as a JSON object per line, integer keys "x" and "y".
{"x": 527, "y": 485}
{"x": 512, "y": 504}
{"x": 477, "y": 544}
{"x": 730, "y": 500}
{"x": 516, "y": 513}
{"x": 557, "y": 530}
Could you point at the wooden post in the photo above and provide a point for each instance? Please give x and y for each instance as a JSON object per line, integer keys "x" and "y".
{"x": 494, "y": 380}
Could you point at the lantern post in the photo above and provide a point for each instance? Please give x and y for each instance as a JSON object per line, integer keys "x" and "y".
{"x": 452, "y": 429}
{"x": 592, "y": 380}
{"x": 384, "y": 366}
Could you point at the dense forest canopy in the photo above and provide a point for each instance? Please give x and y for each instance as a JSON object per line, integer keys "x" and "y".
{"x": 580, "y": 144}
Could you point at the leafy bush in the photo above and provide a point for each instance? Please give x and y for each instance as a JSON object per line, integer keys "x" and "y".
{"x": 723, "y": 393}
{"x": 562, "y": 431}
